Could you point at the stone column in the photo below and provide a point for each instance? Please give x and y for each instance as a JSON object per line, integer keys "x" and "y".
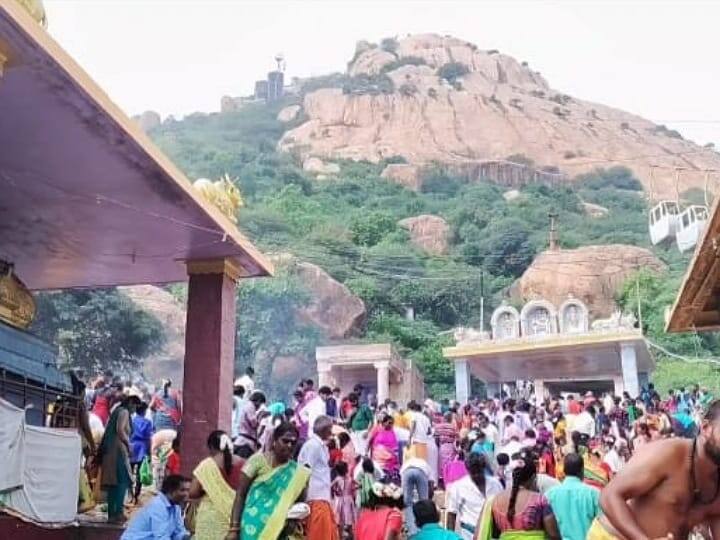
{"x": 324, "y": 375}
{"x": 383, "y": 381}
{"x": 629, "y": 369}
{"x": 209, "y": 356}
{"x": 619, "y": 386}
{"x": 643, "y": 379}
{"x": 539, "y": 385}
{"x": 462, "y": 381}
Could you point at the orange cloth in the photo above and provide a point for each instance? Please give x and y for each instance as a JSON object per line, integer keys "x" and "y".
{"x": 321, "y": 523}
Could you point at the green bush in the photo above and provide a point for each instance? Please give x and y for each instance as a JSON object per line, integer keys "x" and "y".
{"x": 404, "y": 61}
{"x": 452, "y": 71}
{"x": 369, "y": 229}
{"x": 618, "y": 177}
{"x": 369, "y": 84}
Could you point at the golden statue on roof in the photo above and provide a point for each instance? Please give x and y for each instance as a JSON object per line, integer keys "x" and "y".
{"x": 223, "y": 194}
{"x": 36, "y": 9}
{"x": 17, "y": 305}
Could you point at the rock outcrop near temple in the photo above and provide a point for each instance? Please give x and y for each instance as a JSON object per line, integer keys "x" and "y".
{"x": 431, "y": 98}
{"x": 429, "y": 233}
{"x": 594, "y": 274}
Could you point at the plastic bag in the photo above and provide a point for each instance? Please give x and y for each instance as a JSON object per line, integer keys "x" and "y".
{"x": 146, "y": 475}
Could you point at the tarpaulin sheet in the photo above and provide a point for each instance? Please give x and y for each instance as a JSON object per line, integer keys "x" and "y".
{"x": 12, "y": 421}
{"x": 50, "y": 474}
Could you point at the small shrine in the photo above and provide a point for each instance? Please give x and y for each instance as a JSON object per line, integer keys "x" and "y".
{"x": 378, "y": 367}
{"x": 554, "y": 347}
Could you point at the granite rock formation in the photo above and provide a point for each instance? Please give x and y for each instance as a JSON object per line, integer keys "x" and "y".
{"x": 432, "y": 98}
{"x": 429, "y": 233}
{"x": 594, "y": 274}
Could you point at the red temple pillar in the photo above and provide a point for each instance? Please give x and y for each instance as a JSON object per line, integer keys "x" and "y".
{"x": 209, "y": 356}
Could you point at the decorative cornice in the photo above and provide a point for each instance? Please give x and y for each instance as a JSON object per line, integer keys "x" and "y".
{"x": 216, "y": 266}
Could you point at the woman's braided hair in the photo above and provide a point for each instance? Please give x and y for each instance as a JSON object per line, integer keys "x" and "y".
{"x": 523, "y": 472}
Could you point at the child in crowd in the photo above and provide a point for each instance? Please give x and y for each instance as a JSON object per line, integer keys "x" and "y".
{"x": 343, "y": 491}
{"x": 140, "y": 441}
{"x": 503, "y": 472}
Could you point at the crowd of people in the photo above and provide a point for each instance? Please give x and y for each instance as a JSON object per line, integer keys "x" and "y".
{"x": 331, "y": 466}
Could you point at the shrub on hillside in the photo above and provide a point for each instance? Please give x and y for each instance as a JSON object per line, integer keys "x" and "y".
{"x": 438, "y": 180}
{"x": 368, "y": 84}
{"x": 408, "y": 89}
{"x": 618, "y": 177}
{"x": 389, "y": 45}
{"x": 452, "y": 71}
{"x": 369, "y": 229}
{"x": 404, "y": 61}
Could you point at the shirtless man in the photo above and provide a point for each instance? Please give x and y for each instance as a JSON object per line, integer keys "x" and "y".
{"x": 666, "y": 489}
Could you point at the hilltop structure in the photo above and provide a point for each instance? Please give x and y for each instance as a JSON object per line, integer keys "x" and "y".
{"x": 485, "y": 114}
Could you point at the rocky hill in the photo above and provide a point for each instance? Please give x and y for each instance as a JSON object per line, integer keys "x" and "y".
{"x": 430, "y": 98}
{"x": 594, "y": 274}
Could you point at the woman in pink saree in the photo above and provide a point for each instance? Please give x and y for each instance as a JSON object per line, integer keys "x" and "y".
{"x": 385, "y": 449}
{"x": 447, "y": 435}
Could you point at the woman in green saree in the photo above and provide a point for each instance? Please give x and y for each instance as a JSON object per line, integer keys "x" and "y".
{"x": 114, "y": 458}
{"x": 518, "y": 513}
{"x": 270, "y": 484}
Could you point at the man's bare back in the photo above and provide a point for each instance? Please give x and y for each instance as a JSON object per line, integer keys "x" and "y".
{"x": 662, "y": 497}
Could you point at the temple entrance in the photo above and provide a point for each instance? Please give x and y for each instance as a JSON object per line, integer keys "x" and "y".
{"x": 597, "y": 387}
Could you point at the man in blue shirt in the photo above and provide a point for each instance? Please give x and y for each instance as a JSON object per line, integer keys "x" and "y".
{"x": 427, "y": 520}
{"x": 161, "y": 518}
{"x": 574, "y": 503}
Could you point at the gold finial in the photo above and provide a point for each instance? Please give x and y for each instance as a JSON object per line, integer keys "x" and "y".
{"x": 36, "y": 9}
{"x": 223, "y": 193}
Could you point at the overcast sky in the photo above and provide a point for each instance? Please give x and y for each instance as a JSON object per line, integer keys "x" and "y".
{"x": 657, "y": 59}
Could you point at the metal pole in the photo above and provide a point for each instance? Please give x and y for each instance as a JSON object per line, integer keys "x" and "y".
{"x": 482, "y": 300}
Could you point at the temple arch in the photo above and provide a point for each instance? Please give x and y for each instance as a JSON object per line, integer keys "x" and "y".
{"x": 505, "y": 322}
{"x": 538, "y": 318}
{"x": 573, "y": 317}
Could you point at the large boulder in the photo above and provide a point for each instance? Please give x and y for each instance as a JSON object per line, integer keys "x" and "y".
{"x": 499, "y": 108}
{"x": 169, "y": 360}
{"x": 594, "y": 274}
{"x": 406, "y": 175}
{"x": 429, "y": 233}
{"x": 289, "y": 113}
{"x": 315, "y": 165}
{"x": 333, "y": 308}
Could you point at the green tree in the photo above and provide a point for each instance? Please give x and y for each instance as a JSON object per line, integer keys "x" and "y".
{"x": 97, "y": 329}
{"x": 452, "y": 71}
{"x": 269, "y": 326}
{"x": 369, "y": 229}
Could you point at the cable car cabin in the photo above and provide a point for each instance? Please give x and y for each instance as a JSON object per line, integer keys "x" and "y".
{"x": 690, "y": 226}
{"x": 663, "y": 221}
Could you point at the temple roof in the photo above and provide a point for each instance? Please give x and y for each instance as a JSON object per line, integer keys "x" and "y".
{"x": 697, "y": 306}
{"x": 592, "y": 355}
{"x": 86, "y": 199}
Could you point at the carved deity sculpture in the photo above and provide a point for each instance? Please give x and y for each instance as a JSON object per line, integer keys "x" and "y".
{"x": 539, "y": 322}
{"x": 538, "y": 318}
{"x": 222, "y": 193}
{"x": 573, "y": 317}
{"x": 504, "y": 322}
